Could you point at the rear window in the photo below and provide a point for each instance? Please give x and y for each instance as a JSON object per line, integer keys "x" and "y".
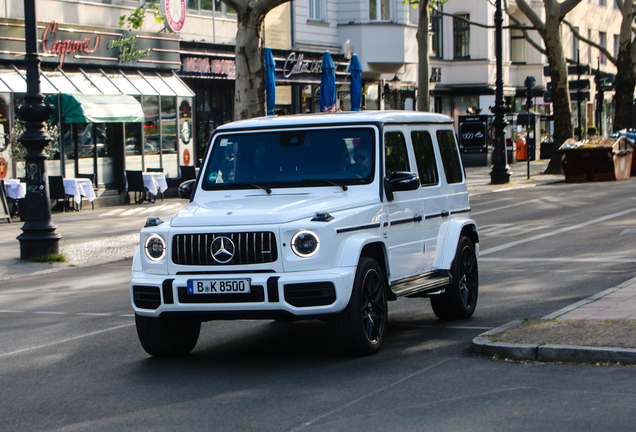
{"x": 450, "y": 156}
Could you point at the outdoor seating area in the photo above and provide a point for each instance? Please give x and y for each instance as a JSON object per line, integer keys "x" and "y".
{"x": 69, "y": 192}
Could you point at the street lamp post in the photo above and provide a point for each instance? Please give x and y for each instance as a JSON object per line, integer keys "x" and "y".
{"x": 38, "y": 233}
{"x": 500, "y": 173}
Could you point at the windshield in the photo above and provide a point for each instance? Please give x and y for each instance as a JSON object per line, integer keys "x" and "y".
{"x": 295, "y": 158}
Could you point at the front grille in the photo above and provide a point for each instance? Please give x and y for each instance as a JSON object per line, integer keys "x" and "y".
{"x": 249, "y": 248}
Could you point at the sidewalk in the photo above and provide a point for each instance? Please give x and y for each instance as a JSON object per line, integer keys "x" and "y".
{"x": 107, "y": 234}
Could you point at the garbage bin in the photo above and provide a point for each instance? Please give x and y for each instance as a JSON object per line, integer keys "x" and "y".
{"x": 622, "y": 154}
{"x": 522, "y": 149}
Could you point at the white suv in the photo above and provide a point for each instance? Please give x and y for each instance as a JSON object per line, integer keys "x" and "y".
{"x": 325, "y": 216}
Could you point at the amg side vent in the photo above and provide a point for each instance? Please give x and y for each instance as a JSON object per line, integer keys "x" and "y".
{"x": 244, "y": 248}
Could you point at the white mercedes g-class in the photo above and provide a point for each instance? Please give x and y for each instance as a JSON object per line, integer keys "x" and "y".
{"x": 325, "y": 216}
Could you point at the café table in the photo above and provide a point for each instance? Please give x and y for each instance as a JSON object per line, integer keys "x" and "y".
{"x": 15, "y": 189}
{"x": 155, "y": 182}
{"x": 79, "y": 187}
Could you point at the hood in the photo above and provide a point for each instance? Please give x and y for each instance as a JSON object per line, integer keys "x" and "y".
{"x": 262, "y": 209}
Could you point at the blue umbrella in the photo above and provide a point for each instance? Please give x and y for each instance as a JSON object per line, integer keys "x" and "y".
{"x": 327, "y": 83}
{"x": 356, "y": 83}
{"x": 270, "y": 81}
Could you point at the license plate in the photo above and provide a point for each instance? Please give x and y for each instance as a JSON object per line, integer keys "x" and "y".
{"x": 219, "y": 286}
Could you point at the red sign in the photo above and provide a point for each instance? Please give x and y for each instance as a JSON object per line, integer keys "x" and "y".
{"x": 175, "y": 12}
{"x": 63, "y": 47}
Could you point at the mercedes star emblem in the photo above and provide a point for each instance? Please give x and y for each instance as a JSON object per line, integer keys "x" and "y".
{"x": 222, "y": 250}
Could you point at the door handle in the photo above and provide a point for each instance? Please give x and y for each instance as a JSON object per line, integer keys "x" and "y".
{"x": 445, "y": 213}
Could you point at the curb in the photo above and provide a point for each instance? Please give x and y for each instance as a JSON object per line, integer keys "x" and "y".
{"x": 482, "y": 344}
{"x": 66, "y": 268}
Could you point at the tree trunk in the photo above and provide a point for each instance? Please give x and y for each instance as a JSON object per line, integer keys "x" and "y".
{"x": 423, "y": 100}
{"x": 249, "y": 94}
{"x": 560, "y": 90}
{"x": 625, "y": 77}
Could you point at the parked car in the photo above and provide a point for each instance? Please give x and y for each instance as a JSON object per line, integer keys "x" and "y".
{"x": 326, "y": 216}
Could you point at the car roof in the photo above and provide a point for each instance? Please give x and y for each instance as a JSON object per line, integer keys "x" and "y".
{"x": 338, "y": 118}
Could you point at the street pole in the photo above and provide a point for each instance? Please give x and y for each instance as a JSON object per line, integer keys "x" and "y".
{"x": 38, "y": 233}
{"x": 500, "y": 173}
{"x": 578, "y": 92}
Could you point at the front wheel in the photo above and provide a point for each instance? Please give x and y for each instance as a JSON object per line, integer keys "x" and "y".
{"x": 360, "y": 328}
{"x": 460, "y": 298}
{"x": 163, "y": 337}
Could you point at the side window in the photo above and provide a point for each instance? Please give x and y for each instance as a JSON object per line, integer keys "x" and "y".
{"x": 450, "y": 156}
{"x": 425, "y": 158}
{"x": 396, "y": 157}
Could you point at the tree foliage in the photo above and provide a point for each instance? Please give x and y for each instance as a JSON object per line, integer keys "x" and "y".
{"x": 135, "y": 20}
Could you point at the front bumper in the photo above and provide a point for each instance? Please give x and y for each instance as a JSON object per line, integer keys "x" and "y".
{"x": 299, "y": 294}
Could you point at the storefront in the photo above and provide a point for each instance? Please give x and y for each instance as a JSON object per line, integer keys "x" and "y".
{"x": 209, "y": 70}
{"x": 119, "y": 106}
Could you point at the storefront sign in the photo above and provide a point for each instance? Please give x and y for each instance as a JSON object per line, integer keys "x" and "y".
{"x": 77, "y": 45}
{"x": 295, "y": 64}
{"x": 62, "y": 47}
{"x": 208, "y": 67}
{"x": 128, "y": 49}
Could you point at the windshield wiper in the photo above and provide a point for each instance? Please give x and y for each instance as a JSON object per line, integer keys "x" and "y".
{"x": 254, "y": 185}
{"x": 343, "y": 186}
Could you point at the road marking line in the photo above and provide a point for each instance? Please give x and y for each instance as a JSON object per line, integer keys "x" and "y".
{"x": 506, "y": 207}
{"x": 112, "y": 212}
{"x": 127, "y": 315}
{"x": 93, "y": 314}
{"x": 469, "y": 328}
{"x": 132, "y": 211}
{"x": 489, "y": 202}
{"x": 64, "y": 340}
{"x": 373, "y": 393}
{"x": 553, "y": 233}
{"x": 561, "y": 260}
{"x": 10, "y": 311}
{"x": 50, "y": 313}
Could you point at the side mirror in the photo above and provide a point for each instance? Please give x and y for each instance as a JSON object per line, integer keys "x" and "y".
{"x": 401, "y": 181}
{"x": 186, "y": 188}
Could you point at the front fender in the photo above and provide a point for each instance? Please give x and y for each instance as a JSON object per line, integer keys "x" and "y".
{"x": 448, "y": 239}
{"x": 350, "y": 255}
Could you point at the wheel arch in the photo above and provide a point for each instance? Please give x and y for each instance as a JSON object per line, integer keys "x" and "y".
{"x": 369, "y": 246}
{"x": 448, "y": 239}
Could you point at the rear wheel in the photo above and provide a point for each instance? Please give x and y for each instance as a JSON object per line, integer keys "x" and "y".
{"x": 460, "y": 298}
{"x": 163, "y": 337}
{"x": 360, "y": 328}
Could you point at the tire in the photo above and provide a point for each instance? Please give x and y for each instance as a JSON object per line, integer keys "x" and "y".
{"x": 360, "y": 328}
{"x": 460, "y": 298}
{"x": 162, "y": 337}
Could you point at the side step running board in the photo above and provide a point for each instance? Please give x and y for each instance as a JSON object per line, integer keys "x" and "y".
{"x": 425, "y": 285}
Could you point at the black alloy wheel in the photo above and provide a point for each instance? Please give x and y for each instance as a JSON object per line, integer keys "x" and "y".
{"x": 360, "y": 328}
{"x": 460, "y": 298}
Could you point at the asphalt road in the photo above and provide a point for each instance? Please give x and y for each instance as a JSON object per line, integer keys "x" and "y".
{"x": 70, "y": 359}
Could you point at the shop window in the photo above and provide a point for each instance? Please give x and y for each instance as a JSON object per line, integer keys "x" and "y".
{"x": 461, "y": 36}
{"x": 425, "y": 158}
{"x": 379, "y": 10}
{"x": 169, "y": 136}
{"x": 450, "y": 156}
{"x": 152, "y": 145}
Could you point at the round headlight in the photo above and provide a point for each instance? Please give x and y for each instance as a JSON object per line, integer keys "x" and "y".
{"x": 305, "y": 243}
{"x": 155, "y": 247}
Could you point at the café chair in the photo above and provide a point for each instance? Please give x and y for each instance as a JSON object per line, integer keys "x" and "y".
{"x": 136, "y": 185}
{"x": 187, "y": 172}
{"x": 57, "y": 193}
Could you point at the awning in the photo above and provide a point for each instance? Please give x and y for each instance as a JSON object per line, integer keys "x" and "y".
{"x": 77, "y": 108}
